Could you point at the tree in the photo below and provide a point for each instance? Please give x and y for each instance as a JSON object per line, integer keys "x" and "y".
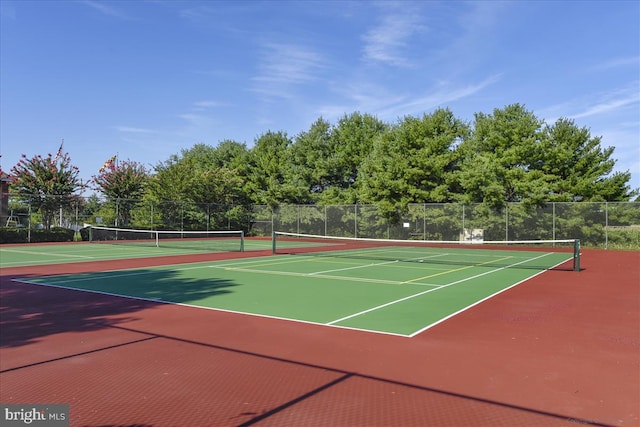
{"x": 351, "y": 142}
{"x": 311, "y": 155}
{"x": 512, "y": 156}
{"x": 222, "y": 177}
{"x": 185, "y": 177}
{"x": 123, "y": 183}
{"x": 413, "y": 162}
{"x": 170, "y": 179}
{"x": 49, "y": 182}
{"x": 270, "y": 171}
{"x": 189, "y": 182}
{"x": 501, "y": 159}
{"x": 581, "y": 169}
{"x": 232, "y": 155}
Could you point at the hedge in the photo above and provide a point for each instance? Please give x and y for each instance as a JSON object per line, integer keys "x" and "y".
{"x": 21, "y": 235}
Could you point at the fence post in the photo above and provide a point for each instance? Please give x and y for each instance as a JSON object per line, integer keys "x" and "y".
{"x": 506, "y": 223}
{"x": 606, "y": 225}
{"x": 463, "y": 219}
{"x": 553, "y": 220}
{"x": 117, "y": 210}
{"x": 424, "y": 221}
{"x": 325, "y": 220}
{"x": 29, "y": 229}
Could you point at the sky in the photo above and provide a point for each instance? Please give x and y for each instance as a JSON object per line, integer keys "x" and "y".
{"x": 148, "y": 79}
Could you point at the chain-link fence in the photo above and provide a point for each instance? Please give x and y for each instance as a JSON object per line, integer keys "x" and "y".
{"x": 603, "y": 225}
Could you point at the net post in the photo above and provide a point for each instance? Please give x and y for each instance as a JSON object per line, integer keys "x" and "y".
{"x": 576, "y": 255}
{"x": 90, "y": 233}
{"x": 273, "y": 242}
{"x": 157, "y": 238}
{"x": 241, "y": 240}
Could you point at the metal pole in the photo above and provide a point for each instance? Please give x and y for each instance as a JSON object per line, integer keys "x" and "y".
{"x": 463, "y": 219}
{"x": 355, "y": 220}
{"x": 606, "y": 225}
{"x": 29, "y": 229}
{"x": 325, "y": 220}
{"x": 424, "y": 221}
{"x": 506, "y": 223}
{"x": 553, "y": 235}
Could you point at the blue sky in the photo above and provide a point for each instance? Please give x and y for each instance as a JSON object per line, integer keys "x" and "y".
{"x": 146, "y": 79}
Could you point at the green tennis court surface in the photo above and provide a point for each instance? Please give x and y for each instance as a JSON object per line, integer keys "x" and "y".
{"x": 25, "y": 255}
{"x": 364, "y": 290}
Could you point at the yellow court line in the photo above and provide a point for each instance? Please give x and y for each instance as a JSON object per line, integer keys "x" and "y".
{"x": 17, "y": 251}
{"x": 457, "y": 269}
{"x": 288, "y": 261}
{"x": 263, "y": 264}
{"x": 313, "y": 276}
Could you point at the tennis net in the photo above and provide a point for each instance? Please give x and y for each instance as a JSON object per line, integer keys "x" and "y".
{"x": 209, "y": 241}
{"x": 534, "y": 254}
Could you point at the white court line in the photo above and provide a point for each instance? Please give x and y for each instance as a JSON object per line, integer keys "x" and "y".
{"x": 374, "y": 264}
{"x": 478, "y": 302}
{"x": 224, "y": 310}
{"x": 431, "y": 290}
{"x": 159, "y": 269}
{"x": 330, "y": 324}
{"x": 314, "y": 276}
{"x": 17, "y": 251}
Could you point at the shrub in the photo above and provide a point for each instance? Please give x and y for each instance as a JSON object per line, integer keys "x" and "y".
{"x": 21, "y": 235}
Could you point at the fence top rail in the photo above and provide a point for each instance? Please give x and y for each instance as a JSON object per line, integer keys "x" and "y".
{"x": 452, "y": 242}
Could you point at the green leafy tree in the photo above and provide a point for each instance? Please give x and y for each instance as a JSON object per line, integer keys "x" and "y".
{"x": 228, "y": 169}
{"x": 48, "y": 182}
{"x": 171, "y": 179}
{"x": 91, "y": 207}
{"x": 197, "y": 174}
{"x": 352, "y": 140}
{"x": 232, "y": 155}
{"x": 123, "y": 183}
{"x": 311, "y": 155}
{"x": 197, "y": 178}
{"x": 501, "y": 159}
{"x": 580, "y": 167}
{"x": 413, "y": 162}
{"x": 270, "y": 171}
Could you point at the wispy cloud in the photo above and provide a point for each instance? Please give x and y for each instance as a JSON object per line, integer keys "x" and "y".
{"x": 197, "y": 13}
{"x": 624, "y": 139}
{"x": 594, "y": 105}
{"x": 201, "y": 105}
{"x": 389, "y": 105}
{"x": 387, "y": 42}
{"x": 283, "y": 65}
{"x": 618, "y": 62}
{"x": 441, "y": 97}
{"x": 192, "y": 118}
{"x": 128, "y": 129}
{"x": 612, "y": 115}
{"x": 608, "y": 106}
{"x": 106, "y": 9}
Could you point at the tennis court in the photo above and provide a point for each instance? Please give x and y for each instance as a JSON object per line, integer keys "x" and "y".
{"x": 114, "y": 244}
{"x": 400, "y": 290}
{"x": 301, "y": 330}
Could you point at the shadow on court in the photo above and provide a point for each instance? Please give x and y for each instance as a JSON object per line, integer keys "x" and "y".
{"x": 30, "y": 312}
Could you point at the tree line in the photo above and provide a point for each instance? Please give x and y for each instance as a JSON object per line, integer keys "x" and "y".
{"x": 507, "y": 156}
